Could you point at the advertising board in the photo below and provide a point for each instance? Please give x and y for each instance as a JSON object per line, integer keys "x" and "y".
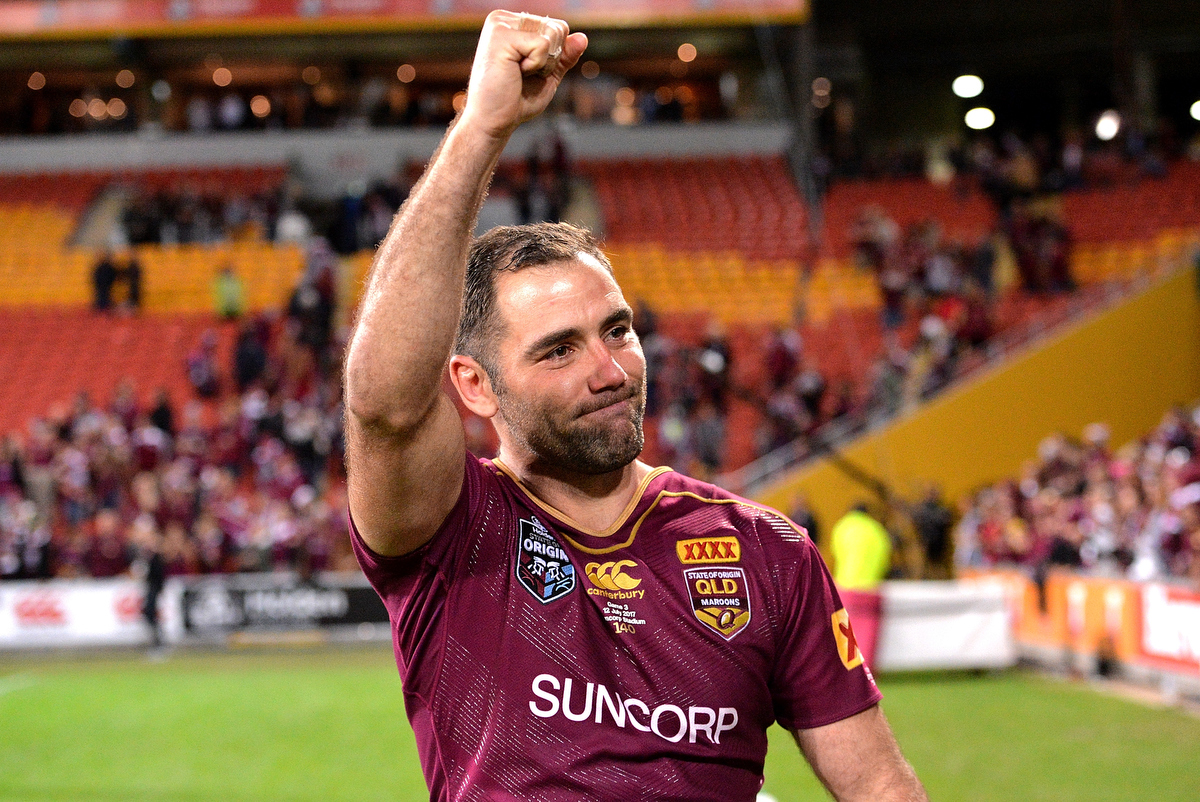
{"x": 72, "y": 612}
{"x": 339, "y": 606}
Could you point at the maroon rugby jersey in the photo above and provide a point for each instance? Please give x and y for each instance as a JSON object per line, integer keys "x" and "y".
{"x": 541, "y": 661}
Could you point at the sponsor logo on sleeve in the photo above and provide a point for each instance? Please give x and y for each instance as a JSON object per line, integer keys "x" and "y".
{"x": 847, "y": 646}
{"x": 720, "y": 599}
{"x": 709, "y": 550}
{"x": 543, "y": 567}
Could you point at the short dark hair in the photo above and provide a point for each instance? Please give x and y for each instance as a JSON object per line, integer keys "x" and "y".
{"x": 509, "y": 249}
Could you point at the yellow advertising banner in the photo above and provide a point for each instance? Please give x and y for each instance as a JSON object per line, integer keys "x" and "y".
{"x": 1151, "y": 624}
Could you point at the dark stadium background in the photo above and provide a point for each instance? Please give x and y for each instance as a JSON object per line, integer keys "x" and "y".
{"x": 846, "y": 293}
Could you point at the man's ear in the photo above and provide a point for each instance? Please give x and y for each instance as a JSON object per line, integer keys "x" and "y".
{"x": 474, "y": 386}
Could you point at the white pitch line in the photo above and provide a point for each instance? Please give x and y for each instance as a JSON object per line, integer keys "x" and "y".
{"x": 16, "y": 682}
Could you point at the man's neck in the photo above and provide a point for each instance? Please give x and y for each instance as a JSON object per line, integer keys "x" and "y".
{"x": 592, "y": 500}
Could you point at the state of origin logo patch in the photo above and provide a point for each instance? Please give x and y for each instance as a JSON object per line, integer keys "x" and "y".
{"x": 543, "y": 567}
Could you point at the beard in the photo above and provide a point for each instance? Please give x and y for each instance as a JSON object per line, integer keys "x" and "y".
{"x": 569, "y": 441}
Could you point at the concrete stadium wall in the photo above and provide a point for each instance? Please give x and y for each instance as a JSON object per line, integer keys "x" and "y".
{"x": 1123, "y": 367}
{"x": 333, "y": 159}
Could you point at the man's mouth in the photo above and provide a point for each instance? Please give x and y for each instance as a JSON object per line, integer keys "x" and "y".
{"x": 619, "y": 402}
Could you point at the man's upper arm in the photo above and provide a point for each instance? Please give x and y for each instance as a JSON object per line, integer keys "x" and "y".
{"x": 402, "y": 487}
{"x": 858, "y": 758}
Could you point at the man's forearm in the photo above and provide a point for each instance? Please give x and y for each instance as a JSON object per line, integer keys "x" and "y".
{"x": 410, "y": 307}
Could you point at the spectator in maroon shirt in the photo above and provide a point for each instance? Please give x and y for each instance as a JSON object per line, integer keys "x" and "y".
{"x": 107, "y": 554}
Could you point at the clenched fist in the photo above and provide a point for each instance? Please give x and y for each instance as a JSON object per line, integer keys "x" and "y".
{"x": 520, "y": 61}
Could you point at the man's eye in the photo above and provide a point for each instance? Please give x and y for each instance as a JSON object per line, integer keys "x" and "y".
{"x": 559, "y": 352}
{"x": 619, "y": 332}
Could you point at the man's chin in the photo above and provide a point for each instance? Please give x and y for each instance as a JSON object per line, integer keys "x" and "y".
{"x": 594, "y": 453}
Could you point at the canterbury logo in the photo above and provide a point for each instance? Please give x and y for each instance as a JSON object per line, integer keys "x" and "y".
{"x": 709, "y": 550}
{"x": 612, "y": 576}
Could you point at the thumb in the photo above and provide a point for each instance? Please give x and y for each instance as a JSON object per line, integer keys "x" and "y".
{"x": 573, "y": 47}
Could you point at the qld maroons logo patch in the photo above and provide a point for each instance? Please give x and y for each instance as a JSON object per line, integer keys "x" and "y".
{"x": 543, "y": 567}
{"x": 720, "y": 599}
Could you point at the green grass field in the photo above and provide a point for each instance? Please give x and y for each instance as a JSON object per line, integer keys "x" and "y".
{"x": 330, "y": 725}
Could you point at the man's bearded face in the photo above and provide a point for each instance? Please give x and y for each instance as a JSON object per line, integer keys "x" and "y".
{"x": 600, "y": 435}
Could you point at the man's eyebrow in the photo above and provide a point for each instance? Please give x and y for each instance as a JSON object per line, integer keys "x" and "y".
{"x": 621, "y": 315}
{"x": 545, "y": 342}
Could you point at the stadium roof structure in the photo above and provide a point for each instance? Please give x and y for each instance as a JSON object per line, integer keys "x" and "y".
{"x": 91, "y": 18}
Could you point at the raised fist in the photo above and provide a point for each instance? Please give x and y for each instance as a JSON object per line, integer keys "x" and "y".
{"x": 518, "y": 66}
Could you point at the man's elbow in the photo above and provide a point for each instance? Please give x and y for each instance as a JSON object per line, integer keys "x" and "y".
{"x": 379, "y": 409}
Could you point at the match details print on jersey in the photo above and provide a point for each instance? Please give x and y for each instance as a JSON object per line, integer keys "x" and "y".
{"x": 617, "y": 583}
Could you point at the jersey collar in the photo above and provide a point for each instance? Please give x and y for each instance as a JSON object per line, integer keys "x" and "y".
{"x": 567, "y": 522}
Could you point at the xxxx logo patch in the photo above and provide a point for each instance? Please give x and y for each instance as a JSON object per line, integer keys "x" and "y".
{"x": 543, "y": 567}
{"x": 720, "y": 599}
{"x": 709, "y": 550}
{"x": 612, "y": 576}
{"x": 843, "y": 633}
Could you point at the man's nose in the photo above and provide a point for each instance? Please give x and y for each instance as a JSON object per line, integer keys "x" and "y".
{"x": 607, "y": 373}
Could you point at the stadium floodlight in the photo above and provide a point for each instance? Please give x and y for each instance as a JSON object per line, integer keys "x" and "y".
{"x": 686, "y": 52}
{"x": 980, "y": 118}
{"x": 1195, "y": 110}
{"x": 38, "y": 81}
{"x": 967, "y": 86}
{"x": 126, "y": 79}
{"x": 1108, "y": 125}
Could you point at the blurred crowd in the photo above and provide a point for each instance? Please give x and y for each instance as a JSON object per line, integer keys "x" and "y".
{"x": 1131, "y": 513}
{"x": 328, "y": 98}
{"x": 249, "y": 479}
{"x": 188, "y": 215}
{"x": 534, "y": 190}
{"x": 1012, "y": 168}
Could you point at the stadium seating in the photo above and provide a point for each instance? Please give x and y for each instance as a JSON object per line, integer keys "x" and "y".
{"x": 963, "y": 211}
{"x": 39, "y": 267}
{"x": 699, "y": 240}
{"x": 50, "y": 354}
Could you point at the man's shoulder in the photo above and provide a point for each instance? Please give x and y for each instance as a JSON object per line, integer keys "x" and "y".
{"x": 690, "y": 493}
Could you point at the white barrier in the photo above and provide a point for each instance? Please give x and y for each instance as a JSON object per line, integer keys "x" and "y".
{"x": 926, "y": 625}
{"x": 945, "y": 625}
{"x": 72, "y": 612}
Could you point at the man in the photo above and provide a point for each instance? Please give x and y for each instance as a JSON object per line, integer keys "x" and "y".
{"x": 570, "y": 623}
{"x": 862, "y": 554}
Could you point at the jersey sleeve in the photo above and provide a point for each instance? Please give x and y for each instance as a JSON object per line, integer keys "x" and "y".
{"x": 412, "y": 586}
{"x": 819, "y": 677}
